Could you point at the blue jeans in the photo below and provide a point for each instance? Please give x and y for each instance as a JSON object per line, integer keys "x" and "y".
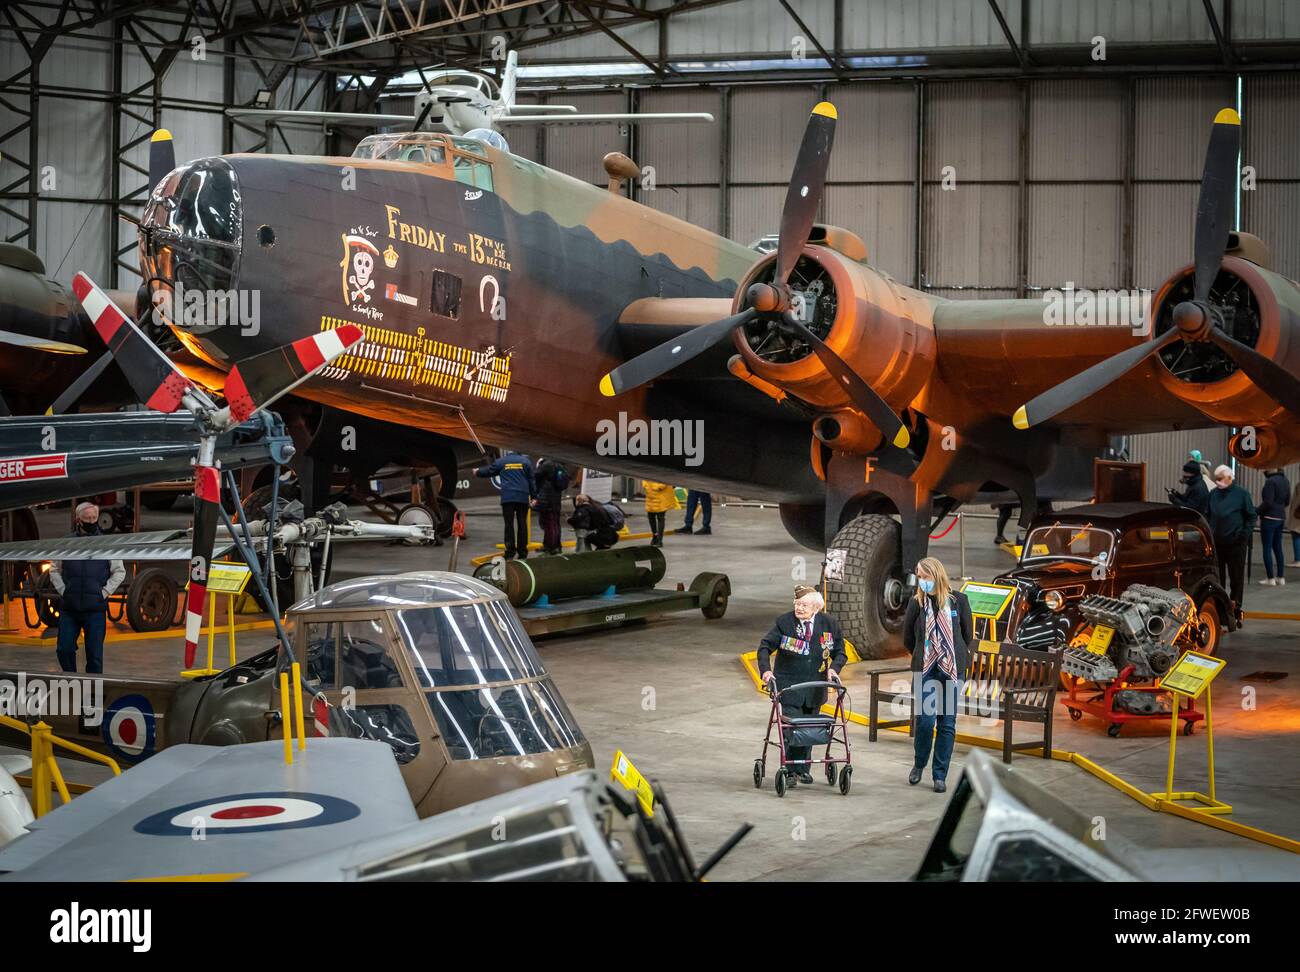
{"x": 73, "y": 623}
{"x": 1270, "y": 535}
{"x": 704, "y": 501}
{"x": 1295, "y": 548}
{"x": 935, "y": 702}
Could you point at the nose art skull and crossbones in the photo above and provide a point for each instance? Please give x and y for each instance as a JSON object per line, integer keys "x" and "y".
{"x": 363, "y": 264}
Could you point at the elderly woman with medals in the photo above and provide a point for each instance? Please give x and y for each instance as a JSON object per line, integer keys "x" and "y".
{"x": 937, "y": 630}
{"x": 804, "y": 645}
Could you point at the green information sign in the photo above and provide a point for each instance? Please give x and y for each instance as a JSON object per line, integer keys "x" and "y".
{"x": 988, "y": 600}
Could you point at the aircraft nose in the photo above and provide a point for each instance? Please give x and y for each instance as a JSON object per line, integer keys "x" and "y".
{"x": 191, "y": 232}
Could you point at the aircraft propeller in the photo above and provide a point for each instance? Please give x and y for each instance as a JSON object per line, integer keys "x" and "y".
{"x": 773, "y": 301}
{"x": 162, "y": 157}
{"x": 1196, "y": 319}
{"x": 252, "y": 384}
{"x": 17, "y": 340}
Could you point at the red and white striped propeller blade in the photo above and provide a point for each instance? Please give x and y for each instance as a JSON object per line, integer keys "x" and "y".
{"x": 207, "y": 503}
{"x": 157, "y": 383}
{"x": 258, "y": 381}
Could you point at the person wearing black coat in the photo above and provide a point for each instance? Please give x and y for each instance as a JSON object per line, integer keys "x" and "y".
{"x": 938, "y": 630}
{"x": 1232, "y": 521}
{"x": 1274, "y": 505}
{"x": 551, "y": 480}
{"x": 1195, "y": 495}
{"x": 84, "y": 588}
{"x": 593, "y": 525}
{"x": 808, "y": 646}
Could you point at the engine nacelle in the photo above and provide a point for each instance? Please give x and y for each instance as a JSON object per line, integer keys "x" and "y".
{"x": 1262, "y": 310}
{"x": 864, "y": 318}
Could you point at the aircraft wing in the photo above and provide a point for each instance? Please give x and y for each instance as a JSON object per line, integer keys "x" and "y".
{"x": 346, "y": 117}
{"x": 672, "y": 116}
{"x": 153, "y": 545}
{"x": 216, "y": 812}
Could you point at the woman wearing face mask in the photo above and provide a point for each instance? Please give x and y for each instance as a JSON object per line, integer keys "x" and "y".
{"x": 937, "y": 630}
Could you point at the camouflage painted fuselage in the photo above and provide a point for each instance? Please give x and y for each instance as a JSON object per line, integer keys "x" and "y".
{"x": 503, "y": 302}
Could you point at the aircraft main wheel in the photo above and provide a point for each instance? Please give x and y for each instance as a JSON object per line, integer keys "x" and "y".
{"x": 870, "y": 599}
{"x": 758, "y": 774}
{"x": 780, "y": 782}
{"x": 151, "y": 601}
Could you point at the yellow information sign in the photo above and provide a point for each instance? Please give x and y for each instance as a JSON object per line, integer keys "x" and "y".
{"x": 228, "y": 578}
{"x": 624, "y": 772}
{"x": 1100, "y": 639}
{"x": 1192, "y": 674}
{"x": 988, "y": 600}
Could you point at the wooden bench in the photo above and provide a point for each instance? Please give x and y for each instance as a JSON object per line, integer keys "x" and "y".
{"x": 1002, "y": 681}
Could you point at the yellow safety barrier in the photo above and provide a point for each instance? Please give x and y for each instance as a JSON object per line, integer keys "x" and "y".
{"x": 286, "y": 718}
{"x": 212, "y": 634}
{"x": 45, "y": 768}
{"x": 750, "y": 662}
{"x": 297, "y": 704}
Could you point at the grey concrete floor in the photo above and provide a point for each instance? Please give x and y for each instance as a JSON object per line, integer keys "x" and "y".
{"x": 675, "y": 697}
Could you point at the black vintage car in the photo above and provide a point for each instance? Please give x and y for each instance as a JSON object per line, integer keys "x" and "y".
{"x": 1103, "y": 549}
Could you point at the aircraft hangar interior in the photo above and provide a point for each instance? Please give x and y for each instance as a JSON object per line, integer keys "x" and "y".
{"x": 652, "y": 440}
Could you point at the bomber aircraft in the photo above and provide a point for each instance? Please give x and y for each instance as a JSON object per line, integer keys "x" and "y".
{"x": 504, "y": 302}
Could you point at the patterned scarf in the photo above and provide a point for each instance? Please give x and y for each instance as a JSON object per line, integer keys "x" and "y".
{"x": 938, "y": 641}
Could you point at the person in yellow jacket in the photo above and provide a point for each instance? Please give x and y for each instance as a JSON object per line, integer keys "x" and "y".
{"x": 659, "y": 499}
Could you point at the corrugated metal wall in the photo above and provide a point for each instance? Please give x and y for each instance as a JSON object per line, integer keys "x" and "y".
{"x": 75, "y": 136}
{"x": 763, "y": 28}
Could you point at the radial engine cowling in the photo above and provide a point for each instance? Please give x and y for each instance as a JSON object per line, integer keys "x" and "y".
{"x": 1261, "y": 309}
{"x": 862, "y": 316}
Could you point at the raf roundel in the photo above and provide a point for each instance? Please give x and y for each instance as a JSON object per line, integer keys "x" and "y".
{"x": 249, "y": 813}
{"x": 130, "y": 728}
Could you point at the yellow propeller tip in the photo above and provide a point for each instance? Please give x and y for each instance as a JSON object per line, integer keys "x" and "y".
{"x": 1021, "y": 419}
{"x": 825, "y": 108}
{"x": 607, "y": 387}
{"x": 161, "y": 135}
{"x": 1227, "y": 116}
{"x": 901, "y": 438}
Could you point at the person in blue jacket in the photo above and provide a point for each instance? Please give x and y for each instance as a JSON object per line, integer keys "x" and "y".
{"x": 518, "y": 489}
{"x": 84, "y": 586}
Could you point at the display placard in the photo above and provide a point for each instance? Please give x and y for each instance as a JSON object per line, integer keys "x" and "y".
{"x": 1192, "y": 674}
{"x": 835, "y": 564}
{"x": 227, "y": 578}
{"x": 988, "y": 600}
{"x": 624, "y": 772}
{"x": 598, "y": 485}
{"x": 1100, "y": 640}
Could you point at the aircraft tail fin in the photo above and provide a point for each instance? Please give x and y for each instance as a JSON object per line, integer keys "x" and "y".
{"x": 508, "y": 81}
